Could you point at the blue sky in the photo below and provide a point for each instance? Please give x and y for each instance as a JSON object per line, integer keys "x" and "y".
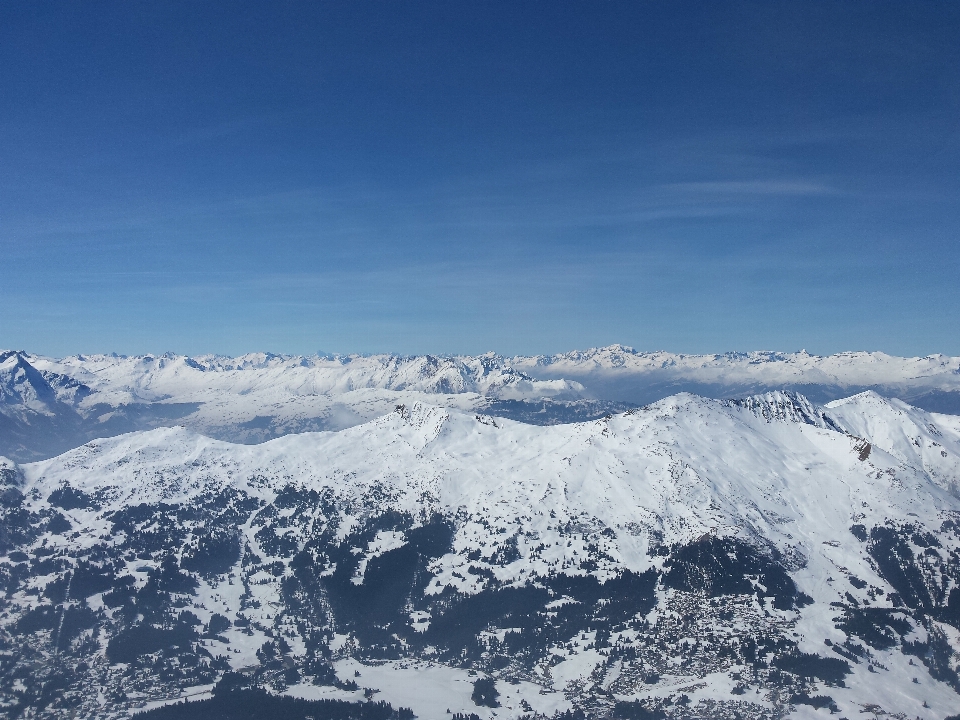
{"x": 462, "y": 177}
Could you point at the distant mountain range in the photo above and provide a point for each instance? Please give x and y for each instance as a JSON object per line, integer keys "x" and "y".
{"x": 755, "y": 558}
{"x": 48, "y": 406}
{"x": 624, "y": 374}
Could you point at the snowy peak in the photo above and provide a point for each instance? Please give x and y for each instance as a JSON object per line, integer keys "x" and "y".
{"x": 913, "y": 436}
{"x": 784, "y": 406}
{"x": 612, "y": 356}
{"x": 163, "y": 465}
{"x": 37, "y": 417}
{"x": 23, "y": 387}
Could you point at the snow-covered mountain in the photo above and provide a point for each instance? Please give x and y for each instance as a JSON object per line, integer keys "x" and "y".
{"x": 255, "y": 397}
{"x": 48, "y": 406}
{"x": 622, "y": 373}
{"x": 38, "y": 411}
{"x": 123, "y": 380}
{"x": 752, "y": 558}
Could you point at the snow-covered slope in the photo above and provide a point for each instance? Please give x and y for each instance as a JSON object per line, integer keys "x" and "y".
{"x": 700, "y": 557}
{"x": 917, "y": 438}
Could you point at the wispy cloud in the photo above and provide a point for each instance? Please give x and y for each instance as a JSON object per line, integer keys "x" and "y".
{"x": 755, "y": 187}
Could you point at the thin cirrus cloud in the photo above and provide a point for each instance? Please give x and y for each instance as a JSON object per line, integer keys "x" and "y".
{"x": 755, "y": 187}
